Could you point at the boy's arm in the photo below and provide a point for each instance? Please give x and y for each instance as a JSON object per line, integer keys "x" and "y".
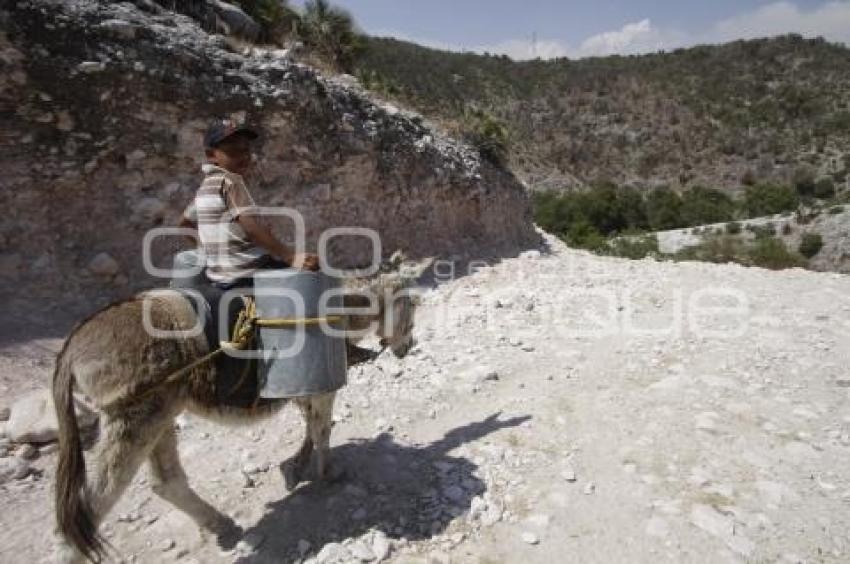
{"x": 240, "y": 202}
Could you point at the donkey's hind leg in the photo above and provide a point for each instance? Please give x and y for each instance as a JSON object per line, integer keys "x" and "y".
{"x": 118, "y": 453}
{"x": 170, "y": 483}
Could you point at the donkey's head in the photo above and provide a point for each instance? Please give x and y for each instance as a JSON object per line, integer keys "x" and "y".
{"x": 398, "y": 301}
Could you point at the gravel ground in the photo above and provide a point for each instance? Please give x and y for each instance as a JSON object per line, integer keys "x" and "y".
{"x": 559, "y": 407}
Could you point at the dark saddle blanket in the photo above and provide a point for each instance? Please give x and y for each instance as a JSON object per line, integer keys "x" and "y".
{"x": 237, "y": 382}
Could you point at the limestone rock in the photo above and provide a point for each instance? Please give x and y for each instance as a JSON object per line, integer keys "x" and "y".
{"x": 104, "y": 265}
{"x": 233, "y": 21}
{"x": 33, "y": 418}
{"x": 13, "y": 469}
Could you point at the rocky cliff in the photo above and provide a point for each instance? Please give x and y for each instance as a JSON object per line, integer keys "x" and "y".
{"x": 103, "y": 107}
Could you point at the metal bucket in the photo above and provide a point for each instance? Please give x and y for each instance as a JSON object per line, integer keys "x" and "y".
{"x": 301, "y": 359}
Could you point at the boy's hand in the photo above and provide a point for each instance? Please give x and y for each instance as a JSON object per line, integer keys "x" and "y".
{"x": 305, "y": 261}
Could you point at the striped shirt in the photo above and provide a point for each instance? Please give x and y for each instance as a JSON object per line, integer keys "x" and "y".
{"x": 221, "y": 198}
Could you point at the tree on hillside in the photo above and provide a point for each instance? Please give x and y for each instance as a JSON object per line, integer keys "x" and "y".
{"x": 330, "y": 30}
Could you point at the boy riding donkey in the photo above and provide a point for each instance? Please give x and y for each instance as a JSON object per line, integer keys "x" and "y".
{"x": 235, "y": 243}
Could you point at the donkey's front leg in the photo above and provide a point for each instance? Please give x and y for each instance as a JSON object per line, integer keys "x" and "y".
{"x": 319, "y": 429}
{"x": 293, "y": 469}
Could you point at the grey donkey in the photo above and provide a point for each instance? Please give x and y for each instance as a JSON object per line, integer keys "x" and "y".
{"x": 112, "y": 360}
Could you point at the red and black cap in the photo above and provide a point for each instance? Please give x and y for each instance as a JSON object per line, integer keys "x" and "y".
{"x": 223, "y": 128}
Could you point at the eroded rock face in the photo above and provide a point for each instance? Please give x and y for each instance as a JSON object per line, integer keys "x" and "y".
{"x": 104, "y": 106}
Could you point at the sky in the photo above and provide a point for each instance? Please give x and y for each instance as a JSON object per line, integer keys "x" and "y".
{"x": 575, "y": 29}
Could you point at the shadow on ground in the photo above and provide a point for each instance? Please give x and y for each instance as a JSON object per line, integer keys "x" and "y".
{"x": 411, "y": 492}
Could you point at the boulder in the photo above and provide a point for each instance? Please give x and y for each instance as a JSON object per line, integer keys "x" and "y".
{"x": 232, "y": 20}
{"x": 13, "y": 469}
{"x": 33, "y": 418}
{"x": 104, "y": 265}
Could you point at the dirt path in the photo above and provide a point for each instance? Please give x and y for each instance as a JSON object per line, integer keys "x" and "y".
{"x": 558, "y": 408}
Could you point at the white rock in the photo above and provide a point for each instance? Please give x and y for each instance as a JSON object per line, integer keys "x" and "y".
{"x": 568, "y": 474}
{"x": 530, "y": 538}
{"x": 332, "y": 553}
{"x": 166, "y": 545}
{"x": 492, "y": 516}
{"x": 33, "y": 418}
{"x": 13, "y": 469}
{"x": 104, "y": 265}
{"x": 360, "y": 551}
{"x": 303, "y": 547}
{"x": 151, "y": 209}
{"x": 91, "y": 67}
{"x": 120, "y": 28}
{"x": 712, "y": 521}
{"x": 589, "y": 488}
{"x": 706, "y": 421}
{"x": 27, "y": 452}
{"x": 380, "y": 546}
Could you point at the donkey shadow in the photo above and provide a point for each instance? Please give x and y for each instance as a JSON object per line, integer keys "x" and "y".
{"x": 411, "y": 492}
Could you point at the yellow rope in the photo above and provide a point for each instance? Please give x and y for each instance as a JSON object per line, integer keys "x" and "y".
{"x": 290, "y": 322}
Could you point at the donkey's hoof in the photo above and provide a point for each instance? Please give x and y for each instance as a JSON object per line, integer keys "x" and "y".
{"x": 334, "y": 474}
{"x": 293, "y": 474}
{"x": 227, "y": 533}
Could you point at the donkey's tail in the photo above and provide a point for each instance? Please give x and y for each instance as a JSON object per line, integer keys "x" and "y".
{"x": 73, "y": 513}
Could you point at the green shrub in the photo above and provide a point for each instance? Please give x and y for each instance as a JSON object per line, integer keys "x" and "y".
{"x": 705, "y": 205}
{"x": 766, "y": 252}
{"x": 804, "y": 181}
{"x": 634, "y": 247}
{"x": 663, "y": 209}
{"x": 824, "y": 188}
{"x": 769, "y": 252}
{"x": 488, "y": 134}
{"x": 760, "y": 231}
{"x": 583, "y": 235}
{"x": 609, "y": 210}
{"x": 769, "y": 199}
{"x": 733, "y": 228}
{"x": 718, "y": 249}
{"x": 810, "y": 244}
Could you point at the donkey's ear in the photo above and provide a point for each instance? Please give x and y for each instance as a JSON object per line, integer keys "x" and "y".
{"x": 413, "y": 270}
{"x": 394, "y": 263}
{"x": 397, "y": 258}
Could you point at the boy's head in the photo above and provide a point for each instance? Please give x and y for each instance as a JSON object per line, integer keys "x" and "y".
{"x": 228, "y": 144}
